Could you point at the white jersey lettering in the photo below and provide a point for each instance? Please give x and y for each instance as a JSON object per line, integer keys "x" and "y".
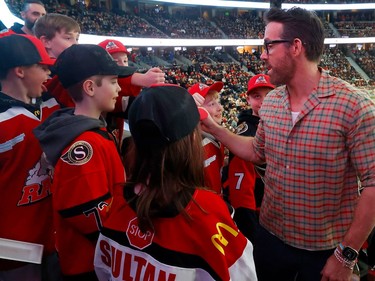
{"x": 126, "y": 264}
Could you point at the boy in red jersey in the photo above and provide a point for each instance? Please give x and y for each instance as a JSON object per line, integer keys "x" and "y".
{"x": 25, "y": 176}
{"x": 243, "y": 188}
{"x": 58, "y": 32}
{"x": 87, "y": 164}
{"x": 208, "y": 97}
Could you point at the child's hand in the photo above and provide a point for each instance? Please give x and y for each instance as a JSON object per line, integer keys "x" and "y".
{"x": 153, "y": 76}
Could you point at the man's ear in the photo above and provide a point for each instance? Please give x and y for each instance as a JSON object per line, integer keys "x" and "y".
{"x": 88, "y": 87}
{"x": 23, "y": 15}
{"x": 298, "y": 47}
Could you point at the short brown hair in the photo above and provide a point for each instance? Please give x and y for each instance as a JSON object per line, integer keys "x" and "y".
{"x": 302, "y": 24}
{"x": 51, "y": 23}
{"x": 76, "y": 91}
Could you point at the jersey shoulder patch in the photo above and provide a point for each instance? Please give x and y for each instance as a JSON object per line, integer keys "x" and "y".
{"x": 242, "y": 128}
{"x": 79, "y": 153}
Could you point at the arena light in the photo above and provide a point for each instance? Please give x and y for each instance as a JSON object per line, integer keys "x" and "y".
{"x": 6, "y": 16}
{"x": 163, "y": 42}
{"x": 349, "y": 40}
{"x": 219, "y": 3}
{"x": 8, "y": 19}
{"x": 331, "y": 7}
{"x": 158, "y": 42}
{"x": 258, "y": 5}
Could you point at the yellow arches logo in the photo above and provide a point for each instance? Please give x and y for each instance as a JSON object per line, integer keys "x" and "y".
{"x": 219, "y": 240}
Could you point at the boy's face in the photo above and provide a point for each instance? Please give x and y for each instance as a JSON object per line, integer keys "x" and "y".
{"x": 256, "y": 97}
{"x": 105, "y": 95}
{"x": 121, "y": 58}
{"x": 60, "y": 42}
{"x": 213, "y": 106}
{"x": 33, "y": 79}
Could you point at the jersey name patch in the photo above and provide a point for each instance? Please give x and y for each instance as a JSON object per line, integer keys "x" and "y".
{"x": 126, "y": 264}
{"x": 78, "y": 154}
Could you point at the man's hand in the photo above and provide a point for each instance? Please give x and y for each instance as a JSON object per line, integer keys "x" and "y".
{"x": 335, "y": 271}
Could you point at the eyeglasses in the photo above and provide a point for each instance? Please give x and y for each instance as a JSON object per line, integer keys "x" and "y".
{"x": 268, "y": 44}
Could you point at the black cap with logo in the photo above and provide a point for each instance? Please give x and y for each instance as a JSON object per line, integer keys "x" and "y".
{"x": 82, "y": 61}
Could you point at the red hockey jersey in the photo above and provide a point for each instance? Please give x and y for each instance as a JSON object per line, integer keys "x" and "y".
{"x": 213, "y": 163}
{"x": 86, "y": 175}
{"x": 25, "y": 177}
{"x": 210, "y": 247}
{"x": 240, "y": 183}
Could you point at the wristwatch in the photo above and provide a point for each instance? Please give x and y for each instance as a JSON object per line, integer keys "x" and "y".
{"x": 348, "y": 252}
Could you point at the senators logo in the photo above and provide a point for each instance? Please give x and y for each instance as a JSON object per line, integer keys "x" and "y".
{"x": 78, "y": 154}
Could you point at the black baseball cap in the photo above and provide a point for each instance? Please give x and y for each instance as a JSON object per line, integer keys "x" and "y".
{"x": 81, "y": 61}
{"x": 162, "y": 114}
{"x": 22, "y": 50}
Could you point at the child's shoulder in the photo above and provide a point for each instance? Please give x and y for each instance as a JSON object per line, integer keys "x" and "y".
{"x": 210, "y": 200}
{"x": 95, "y": 136}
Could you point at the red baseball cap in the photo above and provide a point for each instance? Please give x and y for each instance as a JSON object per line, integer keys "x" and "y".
{"x": 22, "y": 50}
{"x": 258, "y": 81}
{"x": 203, "y": 89}
{"x": 113, "y": 46}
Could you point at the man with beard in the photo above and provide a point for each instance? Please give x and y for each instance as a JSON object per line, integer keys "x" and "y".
{"x": 317, "y": 135}
{"x": 31, "y": 11}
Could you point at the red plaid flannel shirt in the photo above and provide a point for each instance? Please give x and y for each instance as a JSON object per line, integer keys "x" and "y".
{"x": 312, "y": 166}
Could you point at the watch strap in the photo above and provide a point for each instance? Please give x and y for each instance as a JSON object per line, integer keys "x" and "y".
{"x": 345, "y": 262}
